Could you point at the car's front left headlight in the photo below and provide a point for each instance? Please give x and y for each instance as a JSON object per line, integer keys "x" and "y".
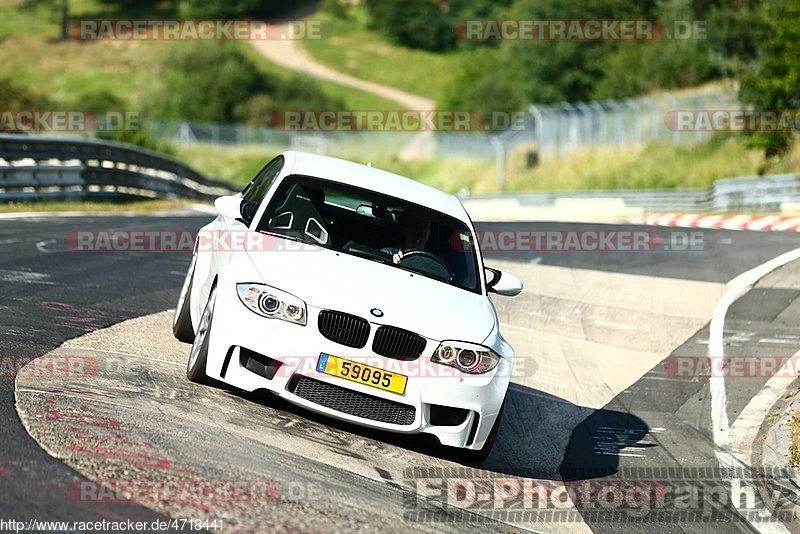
{"x": 273, "y": 303}
{"x": 466, "y": 357}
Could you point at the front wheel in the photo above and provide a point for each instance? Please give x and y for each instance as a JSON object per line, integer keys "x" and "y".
{"x": 196, "y": 368}
{"x": 182, "y": 322}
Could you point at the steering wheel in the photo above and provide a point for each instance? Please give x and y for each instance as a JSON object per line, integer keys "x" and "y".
{"x": 413, "y": 257}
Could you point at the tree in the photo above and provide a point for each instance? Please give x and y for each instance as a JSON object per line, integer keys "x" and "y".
{"x": 243, "y": 8}
{"x": 57, "y": 6}
{"x": 206, "y": 81}
{"x": 774, "y": 84}
{"x": 218, "y": 82}
{"x": 428, "y": 24}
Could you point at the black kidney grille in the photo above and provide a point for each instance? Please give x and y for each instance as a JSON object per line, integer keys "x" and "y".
{"x": 349, "y": 330}
{"x": 352, "y": 402}
{"x": 397, "y": 343}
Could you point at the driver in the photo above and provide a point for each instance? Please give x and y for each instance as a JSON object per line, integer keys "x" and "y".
{"x": 415, "y": 230}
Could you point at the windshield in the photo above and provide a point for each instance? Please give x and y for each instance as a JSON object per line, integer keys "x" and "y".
{"x": 375, "y": 227}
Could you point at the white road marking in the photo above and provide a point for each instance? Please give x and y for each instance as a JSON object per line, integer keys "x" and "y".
{"x": 716, "y": 348}
{"x": 745, "y": 428}
{"x": 26, "y": 277}
{"x": 662, "y": 378}
{"x": 619, "y": 326}
{"x": 41, "y": 246}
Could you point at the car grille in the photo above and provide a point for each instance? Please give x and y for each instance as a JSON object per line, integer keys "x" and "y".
{"x": 352, "y": 402}
{"x": 397, "y": 343}
{"x": 343, "y": 328}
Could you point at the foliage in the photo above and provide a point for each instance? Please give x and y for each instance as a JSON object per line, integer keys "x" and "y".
{"x": 427, "y": 24}
{"x": 217, "y": 82}
{"x": 241, "y": 8}
{"x": 774, "y": 84}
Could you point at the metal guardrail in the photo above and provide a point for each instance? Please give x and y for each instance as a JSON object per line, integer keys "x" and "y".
{"x": 746, "y": 193}
{"x": 73, "y": 168}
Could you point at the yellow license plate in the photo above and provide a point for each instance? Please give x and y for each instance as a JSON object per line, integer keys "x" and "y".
{"x": 362, "y": 373}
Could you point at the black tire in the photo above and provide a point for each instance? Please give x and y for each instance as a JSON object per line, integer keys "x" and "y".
{"x": 480, "y": 455}
{"x": 182, "y": 322}
{"x": 196, "y": 367}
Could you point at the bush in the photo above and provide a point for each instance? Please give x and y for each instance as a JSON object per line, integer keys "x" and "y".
{"x": 471, "y": 89}
{"x": 14, "y": 97}
{"x": 773, "y": 84}
{"x": 205, "y": 82}
{"x": 637, "y": 68}
{"x": 140, "y": 137}
{"x": 428, "y": 24}
{"x": 335, "y": 8}
{"x": 413, "y": 23}
{"x": 242, "y": 8}
{"x": 219, "y": 83}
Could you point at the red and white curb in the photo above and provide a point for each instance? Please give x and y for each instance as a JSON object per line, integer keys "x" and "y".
{"x": 762, "y": 223}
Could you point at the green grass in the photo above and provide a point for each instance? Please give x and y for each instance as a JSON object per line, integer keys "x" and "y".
{"x": 64, "y": 72}
{"x": 687, "y": 167}
{"x": 352, "y": 98}
{"x": 235, "y": 165}
{"x": 32, "y": 55}
{"x": 142, "y": 207}
{"x": 659, "y": 165}
{"x": 352, "y": 49}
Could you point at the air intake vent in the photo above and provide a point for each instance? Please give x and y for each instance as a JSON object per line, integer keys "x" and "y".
{"x": 397, "y": 343}
{"x": 352, "y": 402}
{"x": 343, "y": 328}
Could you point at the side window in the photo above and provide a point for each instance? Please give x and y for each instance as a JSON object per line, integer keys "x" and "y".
{"x": 258, "y": 186}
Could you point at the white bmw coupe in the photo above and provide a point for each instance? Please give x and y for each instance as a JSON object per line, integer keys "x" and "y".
{"x": 355, "y": 293}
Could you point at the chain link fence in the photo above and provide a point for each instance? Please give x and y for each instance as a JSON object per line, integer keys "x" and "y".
{"x": 564, "y": 128}
{"x": 545, "y": 131}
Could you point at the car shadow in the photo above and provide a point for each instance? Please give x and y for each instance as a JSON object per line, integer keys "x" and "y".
{"x": 547, "y": 437}
{"x": 541, "y": 436}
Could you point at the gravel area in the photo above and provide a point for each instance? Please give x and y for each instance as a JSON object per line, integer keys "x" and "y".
{"x": 126, "y": 338}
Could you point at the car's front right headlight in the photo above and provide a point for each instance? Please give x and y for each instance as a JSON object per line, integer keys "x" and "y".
{"x": 271, "y": 302}
{"x": 466, "y": 357}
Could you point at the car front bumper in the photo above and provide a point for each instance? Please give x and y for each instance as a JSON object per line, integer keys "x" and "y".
{"x": 251, "y": 353}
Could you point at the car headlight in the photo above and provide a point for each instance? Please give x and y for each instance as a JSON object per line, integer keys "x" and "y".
{"x": 466, "y": 357}
{"x": 273, "y": 303}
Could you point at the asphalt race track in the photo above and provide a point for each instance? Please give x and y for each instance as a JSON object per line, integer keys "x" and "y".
{"x": 51, "y": 294}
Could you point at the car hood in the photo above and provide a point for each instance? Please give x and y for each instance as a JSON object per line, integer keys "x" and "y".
{"x": 330, "y": 280}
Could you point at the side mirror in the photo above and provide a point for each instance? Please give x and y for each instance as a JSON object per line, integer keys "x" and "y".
{"x": 229, "y": 206}
{"x": 248, "y": 211}
{"x": 503, "y": 283}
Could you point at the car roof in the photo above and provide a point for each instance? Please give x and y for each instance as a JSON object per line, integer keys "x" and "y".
{"x": 363, "y": 176}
